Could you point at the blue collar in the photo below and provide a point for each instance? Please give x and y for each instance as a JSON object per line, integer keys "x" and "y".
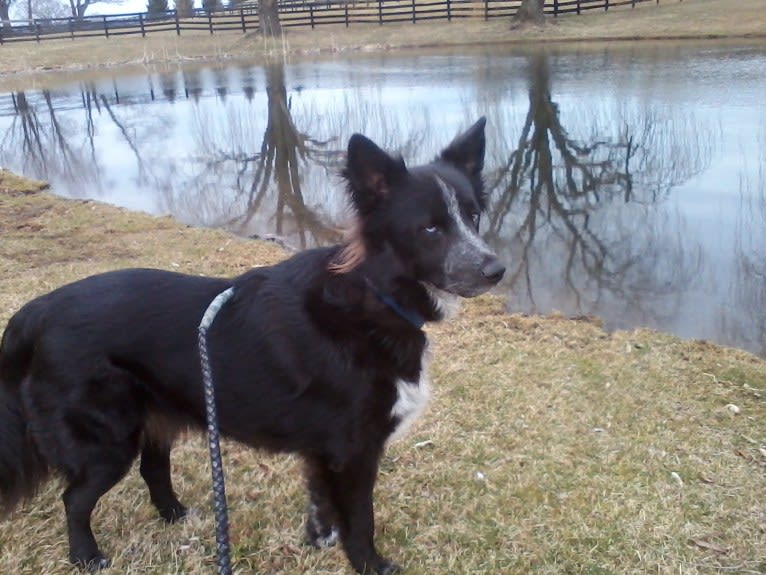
{"x": 411, "y": 316}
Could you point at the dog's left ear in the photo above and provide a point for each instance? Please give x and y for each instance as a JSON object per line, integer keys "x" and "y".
{"x": 370, "y": 172}
{"x": 466, "y": 151}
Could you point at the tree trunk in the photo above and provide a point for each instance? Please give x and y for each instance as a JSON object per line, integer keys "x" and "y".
{"x": 4, "y": 14}
{"x": 270, "y": 25}
{"x": 79, "y": 7}
{"x": 530, "y": 12}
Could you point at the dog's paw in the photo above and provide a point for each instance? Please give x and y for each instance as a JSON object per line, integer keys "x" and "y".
{"x": 388, "y": 568}
{"x": 91, "y": 564}
{"x": 322, "y": 538}
{"x": 174, "y": 513}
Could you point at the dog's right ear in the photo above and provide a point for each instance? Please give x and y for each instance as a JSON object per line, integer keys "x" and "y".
{"x": 370, "y": 172}
{"x": 467, "y": 149}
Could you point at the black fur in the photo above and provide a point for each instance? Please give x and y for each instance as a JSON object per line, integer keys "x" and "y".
{"x": 309, "y": 355}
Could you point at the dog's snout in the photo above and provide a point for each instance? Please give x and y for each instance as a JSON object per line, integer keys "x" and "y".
{"x": 493, "y": 270}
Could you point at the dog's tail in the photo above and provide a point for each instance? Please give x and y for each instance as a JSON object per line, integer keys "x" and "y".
{"x": 22, "y": 469}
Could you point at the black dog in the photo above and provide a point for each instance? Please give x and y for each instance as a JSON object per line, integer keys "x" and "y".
{"x": 321, "y": 354}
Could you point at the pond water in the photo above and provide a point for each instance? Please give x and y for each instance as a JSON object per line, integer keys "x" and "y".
{"x": 626, "y": 182}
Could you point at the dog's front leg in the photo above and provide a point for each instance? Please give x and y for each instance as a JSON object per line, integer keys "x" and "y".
{"x": 348, "y": 492}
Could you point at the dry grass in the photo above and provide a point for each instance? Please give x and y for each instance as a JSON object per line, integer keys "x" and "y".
{"x": 670, "y": 20}
{"x": 550, "y": 447}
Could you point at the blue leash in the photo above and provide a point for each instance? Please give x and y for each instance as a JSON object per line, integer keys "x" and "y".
{"x": 222, "y": 544}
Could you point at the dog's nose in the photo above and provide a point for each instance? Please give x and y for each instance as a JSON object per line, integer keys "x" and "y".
{"x": 493, "y": 270}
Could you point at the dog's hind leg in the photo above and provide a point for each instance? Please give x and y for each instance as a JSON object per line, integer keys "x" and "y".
{"x": 87, "y": 423}
{"x": 155, "y": 469}
{"x": 80, "y": 497}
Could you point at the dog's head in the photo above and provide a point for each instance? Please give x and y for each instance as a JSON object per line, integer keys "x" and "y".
{"x": 427, "y": 216}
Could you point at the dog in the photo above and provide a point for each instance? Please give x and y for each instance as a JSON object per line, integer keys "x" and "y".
{"x": 322, "y": 355}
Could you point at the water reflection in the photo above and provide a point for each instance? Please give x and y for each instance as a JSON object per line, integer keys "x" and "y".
{"x": 262, "y": 180}
{"x": 618, "y": 186}
{"x": 750, "y": 252}
{"x": 577, "y": 217}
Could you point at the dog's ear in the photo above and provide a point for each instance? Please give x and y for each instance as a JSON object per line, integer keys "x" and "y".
{"x": 370, "y": 172}
{"x": 466, "y": 151}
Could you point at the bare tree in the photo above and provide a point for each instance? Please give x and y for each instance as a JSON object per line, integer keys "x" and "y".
{"x": 156, "y": 7}
{"x": 5, "y": 17}
{"x": 530, "y": 12}
{"x": 78, "y": 7}
{"x": 47, "y": 9}
{"x": 184, "y": 7}
{"x": 269, "y": 15}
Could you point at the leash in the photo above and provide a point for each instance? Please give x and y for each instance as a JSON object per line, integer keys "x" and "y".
{"x": 222, "y": 544}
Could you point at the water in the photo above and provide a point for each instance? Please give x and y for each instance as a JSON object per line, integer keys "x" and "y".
{"x": 626, "y": 182}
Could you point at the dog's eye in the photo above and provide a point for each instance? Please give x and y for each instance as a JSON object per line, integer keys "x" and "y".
{"x": 431, "y": 229}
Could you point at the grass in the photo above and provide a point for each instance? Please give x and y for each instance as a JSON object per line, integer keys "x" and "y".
{"x": 550, "y": 446}
{"x": 668, "y": 20}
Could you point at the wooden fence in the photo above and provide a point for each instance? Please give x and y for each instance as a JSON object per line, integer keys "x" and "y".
{"x": 292, "y": 13}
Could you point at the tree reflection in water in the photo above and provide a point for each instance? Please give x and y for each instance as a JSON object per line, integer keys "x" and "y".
{"x": 255, "y": 173}
{"x": 750, "y": 260}
{"x": 573, "y": 214}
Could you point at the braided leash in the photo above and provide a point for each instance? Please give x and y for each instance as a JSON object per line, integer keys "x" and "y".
{"x": 222, "y": 546}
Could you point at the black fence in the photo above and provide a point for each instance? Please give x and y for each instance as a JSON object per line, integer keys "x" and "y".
{"x": 292, "y": 13}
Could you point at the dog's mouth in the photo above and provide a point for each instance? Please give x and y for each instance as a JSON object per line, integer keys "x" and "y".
{"x": 469, "y": 291}
{"x": 475, "y": 282}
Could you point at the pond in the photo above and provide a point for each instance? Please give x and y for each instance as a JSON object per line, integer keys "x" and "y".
{"x": 625, "y": 181}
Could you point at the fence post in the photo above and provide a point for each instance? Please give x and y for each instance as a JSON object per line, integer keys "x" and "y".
{"x": 606, "y": 5}
{"x": 449, "y": 10}
{"x": 555, "y": 8}
{"x": 578, "y": 7}
{"x": 210, "y": 22}
{"x": 311, "y": 14}
{"x": 37, "y": 30}
{"x": 141, "y": 22}
{"x": 345, "y": 12}
{"x": 486, "y": 10}
{"x": 414, "y": 17}
{"x": 70, "y": 22}
{"x": 178, "y": 23}
{"x": 106, "y": 26}
{"x": 380, "y": 12}
{"x": 242, "y": 19}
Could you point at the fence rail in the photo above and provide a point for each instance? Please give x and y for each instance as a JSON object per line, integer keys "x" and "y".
{"x": 292, "y": 13}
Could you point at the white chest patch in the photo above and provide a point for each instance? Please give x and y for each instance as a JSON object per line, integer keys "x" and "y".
{"x": 411, "y": 400}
